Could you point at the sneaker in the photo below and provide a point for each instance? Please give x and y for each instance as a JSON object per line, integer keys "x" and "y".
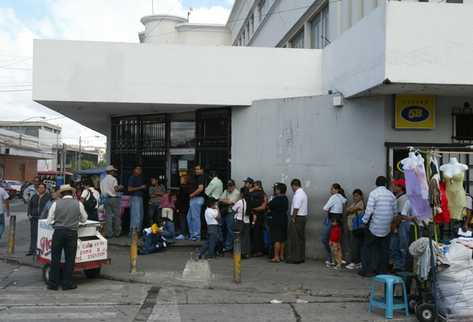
{"x": 351, "y": 266}
{"x": 329, "y": 264}
{"x": 180, "y": 237}
{"x": 337, "y": 267}
{"x": 344, "y": 262}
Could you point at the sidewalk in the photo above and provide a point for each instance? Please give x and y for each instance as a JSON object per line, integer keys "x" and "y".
{"x": 177, "y": 266}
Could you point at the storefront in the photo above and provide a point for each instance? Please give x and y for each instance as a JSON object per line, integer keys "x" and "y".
{"x": 168, "y": 146}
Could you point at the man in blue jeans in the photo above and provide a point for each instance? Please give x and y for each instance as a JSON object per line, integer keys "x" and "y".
{"x": 136, "y": 188}
{"x": 195, "y": 204}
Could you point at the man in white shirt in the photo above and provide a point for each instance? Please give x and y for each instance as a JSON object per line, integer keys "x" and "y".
{"x": 111, "y": 201}
{"x": 380, "y": 211}
{"x": 297, "y": 222}
{"x": 4, "y": 208}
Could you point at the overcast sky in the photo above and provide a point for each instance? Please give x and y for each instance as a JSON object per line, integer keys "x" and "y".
{"x": 21, "y": 21}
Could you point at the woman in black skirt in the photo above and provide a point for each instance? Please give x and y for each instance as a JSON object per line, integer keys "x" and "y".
{"x": 279, "y": 207}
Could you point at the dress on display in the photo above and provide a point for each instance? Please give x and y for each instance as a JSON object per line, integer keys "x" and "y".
{"x": 416, "y": 186}
{"x": 456, "y": 195}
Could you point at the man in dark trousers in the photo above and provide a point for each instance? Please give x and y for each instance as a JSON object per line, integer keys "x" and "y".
{"x": 35, "y": 208}
{"x": 64, "y": 215}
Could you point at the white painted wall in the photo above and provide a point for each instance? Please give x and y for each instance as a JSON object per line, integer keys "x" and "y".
{"x": 429, "y": 43}
{"x": 308, "y": 138}
{"x": 73, "y": 71}
{"x": 356, "y": 60}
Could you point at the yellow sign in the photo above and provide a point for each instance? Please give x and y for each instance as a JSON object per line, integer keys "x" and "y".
{"x": 414, "y": 112}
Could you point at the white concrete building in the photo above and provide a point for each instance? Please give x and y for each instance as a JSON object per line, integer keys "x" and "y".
{"x": 48, "y": 136}
{"x": 354, "y": 84}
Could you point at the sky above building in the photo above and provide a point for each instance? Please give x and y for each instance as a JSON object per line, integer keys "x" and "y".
{"x": 21, "y": 21}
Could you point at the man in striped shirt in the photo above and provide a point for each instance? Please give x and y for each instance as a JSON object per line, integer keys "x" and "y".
{"x": 380, "y": 211}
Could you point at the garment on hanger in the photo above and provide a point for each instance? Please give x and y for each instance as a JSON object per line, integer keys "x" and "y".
{"x": 456, "y": 195}
{"x": 416, "y": 186}
{"x": 444, "y": 216}
{"x": 433, "y": 173}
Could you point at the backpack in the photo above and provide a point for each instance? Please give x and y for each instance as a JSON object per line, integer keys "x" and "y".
{"x": 90, "y": 203}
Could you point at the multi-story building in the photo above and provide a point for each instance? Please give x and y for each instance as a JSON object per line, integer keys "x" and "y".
{"x": 48, "y": 135}
{"x": 327, "y": 91}
{"x": 20, "y": 155}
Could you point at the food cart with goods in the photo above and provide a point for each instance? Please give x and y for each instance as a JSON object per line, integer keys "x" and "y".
{"x": 91, "y": 249}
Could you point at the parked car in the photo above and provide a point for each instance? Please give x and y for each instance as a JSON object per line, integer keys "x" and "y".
{"x": 9, "y": 188}
{"x": 16, "y": 185}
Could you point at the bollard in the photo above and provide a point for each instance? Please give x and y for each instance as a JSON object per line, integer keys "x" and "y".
{"x": 11, "y": 235}
{"x": 237, "y": 258}
{"x": 133, "y": 251}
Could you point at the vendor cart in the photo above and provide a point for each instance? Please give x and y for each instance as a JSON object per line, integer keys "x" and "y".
{"x": 91, "y": 249}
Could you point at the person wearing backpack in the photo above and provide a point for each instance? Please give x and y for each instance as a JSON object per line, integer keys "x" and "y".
{"x": 90, "y": 199}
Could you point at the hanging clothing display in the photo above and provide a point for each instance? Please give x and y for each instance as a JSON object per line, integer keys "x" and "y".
{"x": 433, "y": 173}
{"x": 444, "y": 216}
{"x": 456, "y": 195}
{"x": 416, "y": 186}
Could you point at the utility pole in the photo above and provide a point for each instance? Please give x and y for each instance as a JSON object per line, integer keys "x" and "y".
{"x": 80, "y": 150}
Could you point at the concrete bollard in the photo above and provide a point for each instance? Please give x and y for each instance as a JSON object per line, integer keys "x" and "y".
{"x": 11, "y": 235}
{"x": 237, "y": 258}
{"x": 133, "y": 251}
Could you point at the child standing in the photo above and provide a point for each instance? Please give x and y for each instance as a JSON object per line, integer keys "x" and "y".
{"x": 335, "y": 243}
{"x": 211, "y": 216}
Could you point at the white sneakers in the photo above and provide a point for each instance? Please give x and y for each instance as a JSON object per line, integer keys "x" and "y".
{"x": 353, "y": 266}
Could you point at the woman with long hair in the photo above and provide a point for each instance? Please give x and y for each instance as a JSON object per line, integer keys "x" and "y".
{"x": 334, "y": 209}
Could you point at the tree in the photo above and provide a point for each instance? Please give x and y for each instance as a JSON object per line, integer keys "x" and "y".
{"x": 86, "y": 164}
{"x": 102, "y": 164}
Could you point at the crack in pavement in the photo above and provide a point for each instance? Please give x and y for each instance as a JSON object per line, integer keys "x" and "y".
{"x": 296, "y": 314}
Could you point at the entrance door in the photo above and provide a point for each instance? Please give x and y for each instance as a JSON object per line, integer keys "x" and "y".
{"x": 213, "y": 134}
{"x": 139, "y": 140}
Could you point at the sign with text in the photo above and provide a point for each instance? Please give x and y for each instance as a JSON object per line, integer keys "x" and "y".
{"x": 415, "y": 112}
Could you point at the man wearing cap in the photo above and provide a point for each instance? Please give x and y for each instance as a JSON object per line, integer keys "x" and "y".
{"x": 64, "y": 215}
{"x": 228, "y": 199}
{"x": 111, "y": 202}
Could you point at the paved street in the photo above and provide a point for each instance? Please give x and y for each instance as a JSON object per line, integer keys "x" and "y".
{"x": 174, "y": 287}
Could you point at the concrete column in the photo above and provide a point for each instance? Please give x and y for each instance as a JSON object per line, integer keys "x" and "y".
{"x": 307, "y": 37}
{"x": 381, "y": 2}
{"x": 368, "y": 6}
{"x": 334, "y": 20}
{"x": 345, "y": 15}
{"x": 356, "y": 11}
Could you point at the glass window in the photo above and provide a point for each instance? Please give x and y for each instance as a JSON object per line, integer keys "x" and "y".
{"x": 183, "y": 134}
{"x": 319, "y": 30}
{"x": 298, "y": 40}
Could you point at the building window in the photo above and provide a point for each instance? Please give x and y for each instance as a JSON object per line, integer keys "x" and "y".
{"x": 319, "y": 30}
{"x": 298, "y": 40}
{"x": 462, "y": 123}
{"x": 182, "y": 134}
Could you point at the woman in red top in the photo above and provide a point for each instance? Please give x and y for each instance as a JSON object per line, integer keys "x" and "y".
{"x": 334, "y": 242}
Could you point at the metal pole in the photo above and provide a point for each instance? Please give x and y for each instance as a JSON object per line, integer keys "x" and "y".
{"x": 63, "y": 161}
{"x": 133, "y": 250}
{"x": 237, "y": 258}
{"x": 80, "y": 156}
{"x": 11, "y": 234}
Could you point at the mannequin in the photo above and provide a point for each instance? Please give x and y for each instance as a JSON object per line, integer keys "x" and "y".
{"x": 453, "y": 168}
{"x": 454, "y": 174}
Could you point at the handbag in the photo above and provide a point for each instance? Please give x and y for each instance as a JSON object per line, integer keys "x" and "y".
{"x": 357, "y": 221}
